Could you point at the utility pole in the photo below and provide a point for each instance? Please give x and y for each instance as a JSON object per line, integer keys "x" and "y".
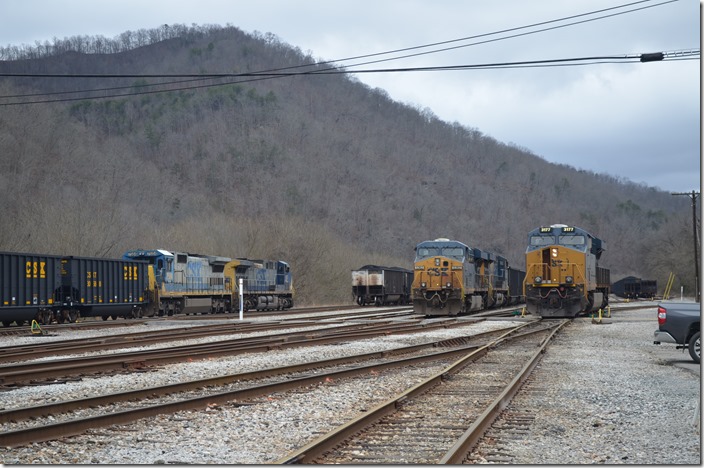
{"x": 693, "y": 196}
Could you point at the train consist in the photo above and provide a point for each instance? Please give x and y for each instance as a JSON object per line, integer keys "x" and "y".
{"x": 563, "y": 277}
{"x": 631, "y": 287}
{"x": 451, "y": 278}
{"x": 142, "y": 283}
{"x": 380, "y": 285}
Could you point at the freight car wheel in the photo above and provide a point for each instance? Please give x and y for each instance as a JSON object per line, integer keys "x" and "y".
{"x": 695, "y": 347}
{"x": 45, "y": 317}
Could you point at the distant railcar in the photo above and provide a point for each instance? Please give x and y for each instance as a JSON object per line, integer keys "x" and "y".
{"x": 451, "y": 278}
{"x": 563, "y": 278}
{"x": 49, "y": 288}
{"x": 631, "y": 287}
{"x": 380, "y": 285}
{"x": 515, "y": 286}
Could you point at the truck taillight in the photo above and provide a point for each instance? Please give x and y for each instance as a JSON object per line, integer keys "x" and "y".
{"x": 662, "y": 315}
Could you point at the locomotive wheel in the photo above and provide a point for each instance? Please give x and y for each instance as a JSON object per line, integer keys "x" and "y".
{"x": 72, "y": 316}
{"x": 5, "y": 324}
{"x": 360, "y": 300}
{"x": 695, "y": 347}
{"x": 105, "y": 317}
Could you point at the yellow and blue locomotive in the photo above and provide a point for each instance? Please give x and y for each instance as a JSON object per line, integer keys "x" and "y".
{"x": 451, "y": 278}
{"x": 563, "y": 277}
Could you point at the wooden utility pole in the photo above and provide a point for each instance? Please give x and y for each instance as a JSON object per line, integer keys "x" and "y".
{"x": 693, "y": 195}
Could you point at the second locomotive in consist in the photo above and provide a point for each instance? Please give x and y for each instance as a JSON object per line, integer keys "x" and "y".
{"x": 563, "y": 277}
{"x": 451, "y": 278}
{"x": 380, "y": 285}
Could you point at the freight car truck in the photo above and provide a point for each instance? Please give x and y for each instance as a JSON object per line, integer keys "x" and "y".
{"x": 679, "y": 323}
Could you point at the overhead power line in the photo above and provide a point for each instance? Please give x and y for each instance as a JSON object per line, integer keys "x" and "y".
{"x": 623, "y": 58}
{"x": 346, "y": 68}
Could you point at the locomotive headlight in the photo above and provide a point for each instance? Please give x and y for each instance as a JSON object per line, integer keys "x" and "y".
{"x": 538, "y": 279}
{"x": 437, "y": 262}
{"x": 569, "y": 279}
{"x": 423, "y": 284}
{"x": 554, "y": 252}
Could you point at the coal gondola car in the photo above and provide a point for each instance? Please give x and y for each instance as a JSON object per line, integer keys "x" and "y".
{"x": 631, "y": 287}
{"x": 515, "y": 286}
{"x": 563, "y": 277}
{"x": 380, "y": 285}
{"x": 49, "y": 288}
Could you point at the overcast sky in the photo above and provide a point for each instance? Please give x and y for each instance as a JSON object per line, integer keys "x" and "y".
{"x": 639, "y": 121}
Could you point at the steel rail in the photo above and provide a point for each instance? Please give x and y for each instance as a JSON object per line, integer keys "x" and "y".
{"x": 28, "y": 412}
{"x": 309, "y": 452}
{"x": 26, "y": 372}
{"x": 26, "y": 351}
{"x": 78, "y": 426}
{"x": 469, "y": 439}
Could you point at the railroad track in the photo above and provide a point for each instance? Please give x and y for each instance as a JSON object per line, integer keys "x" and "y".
{"x": 234, "y": 389}
{"x": 327, "y": 331}
{"x": 441, "y": 419}
{"x": 145, "y": 338}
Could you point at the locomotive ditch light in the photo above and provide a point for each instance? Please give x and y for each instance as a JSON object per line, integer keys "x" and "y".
{"x": 538, "y": 279}
{"x": 449, "y": 285}
{"x": 569, "y": 279}
{"x": 423, "y": 284}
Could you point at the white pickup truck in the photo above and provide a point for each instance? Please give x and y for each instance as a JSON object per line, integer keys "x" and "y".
{"x": 678, "y": 323}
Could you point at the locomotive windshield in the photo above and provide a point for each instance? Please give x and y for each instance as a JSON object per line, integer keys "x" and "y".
{"x": 536, "y": 241}
{"x": 571, "y": 240}
{"x": 456, "y": 253}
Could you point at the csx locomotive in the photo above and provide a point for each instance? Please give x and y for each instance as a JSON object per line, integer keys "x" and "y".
{"x": 142, "y": 283}
{"x": 451, "y": 278}
{"x": 563, "y": 277}
{"x": 180, "y": 282}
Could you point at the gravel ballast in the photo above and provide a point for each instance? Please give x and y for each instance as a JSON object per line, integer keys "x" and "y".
{"x": 607, "y": 395}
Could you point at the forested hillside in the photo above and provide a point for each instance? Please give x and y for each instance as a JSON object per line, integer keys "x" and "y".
{"x": 317, "y": 170}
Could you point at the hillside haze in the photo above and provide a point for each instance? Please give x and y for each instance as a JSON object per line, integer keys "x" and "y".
{"x": 317, "y": 170}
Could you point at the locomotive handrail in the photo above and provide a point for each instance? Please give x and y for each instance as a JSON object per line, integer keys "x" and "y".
{"x": 576, "y": 272}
